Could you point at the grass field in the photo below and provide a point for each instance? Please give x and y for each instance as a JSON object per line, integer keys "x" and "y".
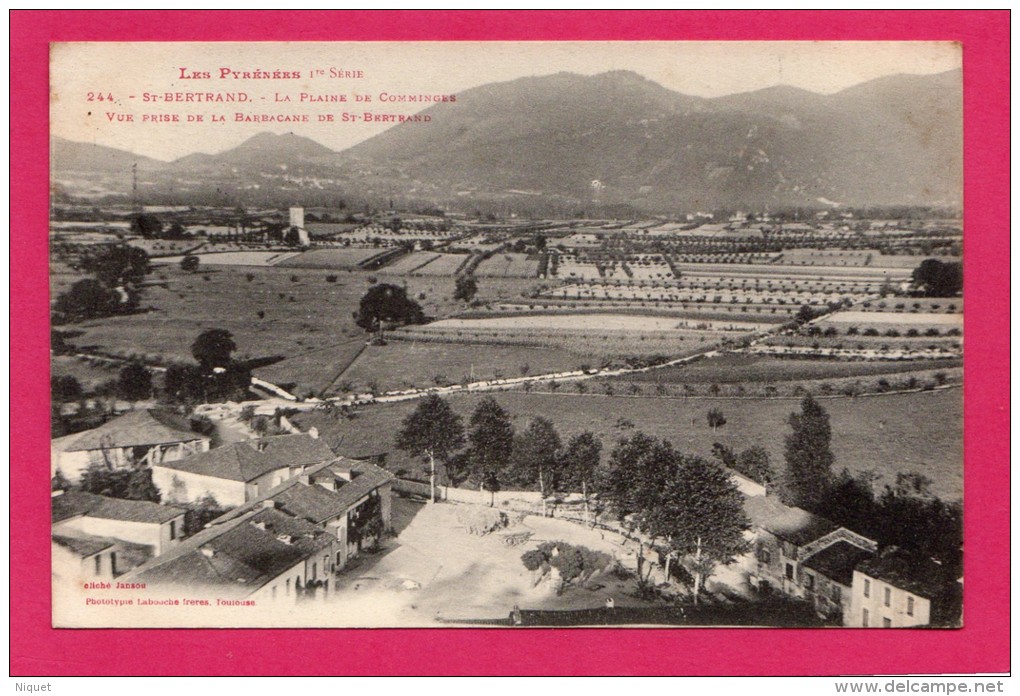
{"x": 887, "y": 434}
{"x": 300, "y": 309}
{"x": 733, "y": 368}
{"x": 598, "y": 321}
{"x": 443, "y": 265}
{"x": 331, "y": 258}
{"x": 314, "y": 372}
{"x": 89, "y": 375}
{"x": 402, "y": 365}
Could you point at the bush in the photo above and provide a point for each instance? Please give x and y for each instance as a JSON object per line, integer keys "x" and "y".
{"x": 331, "y": 278}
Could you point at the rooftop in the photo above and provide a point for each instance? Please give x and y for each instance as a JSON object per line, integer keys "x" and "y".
{"x": 134, "y": 429}
{"x": 83, "y": 546}
{"x": 76, "y": 503}
{"x": 315, "y": 502}
{"x": 295, "y": 450}
{"x": 237, "y": 461}
{"x": 837, "y": 561}
{"x": 237, "y": 556}
{"x": 901, "y": 569}
{"x": 791, "y": 524}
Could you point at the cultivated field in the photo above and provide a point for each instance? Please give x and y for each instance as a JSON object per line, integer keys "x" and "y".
{"x": 597, "y": 321}
{"x": 441, "y": 265}
{"x": 404, "y": 365}
{"x": 886, "y": 434}
{"x": 411, "y": 262}
{"x": 313, "y": 373}
{"x": 739, "y": 368}
{"x": 508, "y": 266}
{"x": 331, "y": 258}
{"x": 234, "y": 258}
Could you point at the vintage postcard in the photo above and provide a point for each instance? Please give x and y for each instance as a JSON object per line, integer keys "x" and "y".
{"x": 502, "y": 334}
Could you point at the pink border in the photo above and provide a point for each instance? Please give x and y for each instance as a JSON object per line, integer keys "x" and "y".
{"x": 982, "y": 646}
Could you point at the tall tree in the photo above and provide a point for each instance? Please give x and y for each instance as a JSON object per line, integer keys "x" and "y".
{"x": 700, "y": 514}
{"x": 579, "y": 463}
{"x": 491, "y": 441}
{"x": 536, "y": 456}
{"x": 213, "y": 348}
{"x": 754, "y": 462}
{"x": 134, "y": 382}
{"x": 119, "y": 264}
{"x": 86, "y": 299}
{"x": 935, "y": 278}
{"x": 433, "y": 431}
{"x": 465, "y": 288}
{"x": 385, "y": 303}
{"x": 635, "y": 474}
{"x": 808, "y": 456}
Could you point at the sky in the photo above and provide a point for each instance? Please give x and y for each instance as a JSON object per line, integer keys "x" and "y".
{"x": 84, "y": 75}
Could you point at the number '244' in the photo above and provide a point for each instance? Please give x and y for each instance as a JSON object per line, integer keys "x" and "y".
{"x": 100, "y": 96}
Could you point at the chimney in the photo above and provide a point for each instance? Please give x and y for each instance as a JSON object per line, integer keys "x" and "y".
{"x": 268, "y": 504}
{"x": 313, "y": 433}
{"x": 207, "y": 552}
{"x": 260, "y": 525}
{"x": 285, "y": 538}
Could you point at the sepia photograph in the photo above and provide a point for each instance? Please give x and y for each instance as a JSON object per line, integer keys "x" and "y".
{"x": 506, "y": 334}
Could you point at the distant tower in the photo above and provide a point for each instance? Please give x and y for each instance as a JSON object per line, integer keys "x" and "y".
{"x": 297, "y": 217}
{"x": 134, "y": 188}
{"x": 596, "y": 191}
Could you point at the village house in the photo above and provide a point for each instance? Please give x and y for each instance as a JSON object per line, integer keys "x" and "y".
{"x": 342, "y": 496}
{"x": 897, "y": 590}
{"x": 139, "y": 522}
{"x": 286, "y": 544}
{"x": 232, "y": 474}
{"x": 80, "y": 559}
{"x": 263, "y": 555}
{"x": 240, "y": 471}
{"x": 142, "y": 438}
{"x": 788, "y": 555}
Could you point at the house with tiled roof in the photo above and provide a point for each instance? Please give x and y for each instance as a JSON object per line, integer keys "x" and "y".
{"x": 349, "y": 499}
{"x": 262, "y": 555}
{"x": 80, "y": 559}
{"x": 785, "y": 538}
{"x": 136, "y": 439}
{"x": 826, "y": 577}
{"x": 299, "y": 450}
{"x": 233, "y": 474}
{"x": 897, "y": 589}
{"x": 139, "y": 522}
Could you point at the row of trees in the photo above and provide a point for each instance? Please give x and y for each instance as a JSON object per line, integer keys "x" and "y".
{"x": 490, "y": 453}
{"x": 688, "y": 504}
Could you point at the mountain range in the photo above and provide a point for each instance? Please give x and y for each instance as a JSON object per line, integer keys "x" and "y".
{"x": 891, "y": 141}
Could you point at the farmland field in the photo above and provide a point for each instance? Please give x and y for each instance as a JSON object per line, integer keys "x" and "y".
{"x": 412, "y": 262}
{"x": 331, "y": 258}
{"x": 903, "y": 318}
{"x": 89, "y": 375}
{"x": 314, "y": 372}
{"x": 442, "y": 265}
{"x": 235, "y": 258}
{"x": 300, "y": 310}
{"x": 597, "y": 321}
{"x": 887, "y": 434}
{"x": 735, "y": 368}
{"x": 508, "y": 266}
{"x": 403, "y": 365}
